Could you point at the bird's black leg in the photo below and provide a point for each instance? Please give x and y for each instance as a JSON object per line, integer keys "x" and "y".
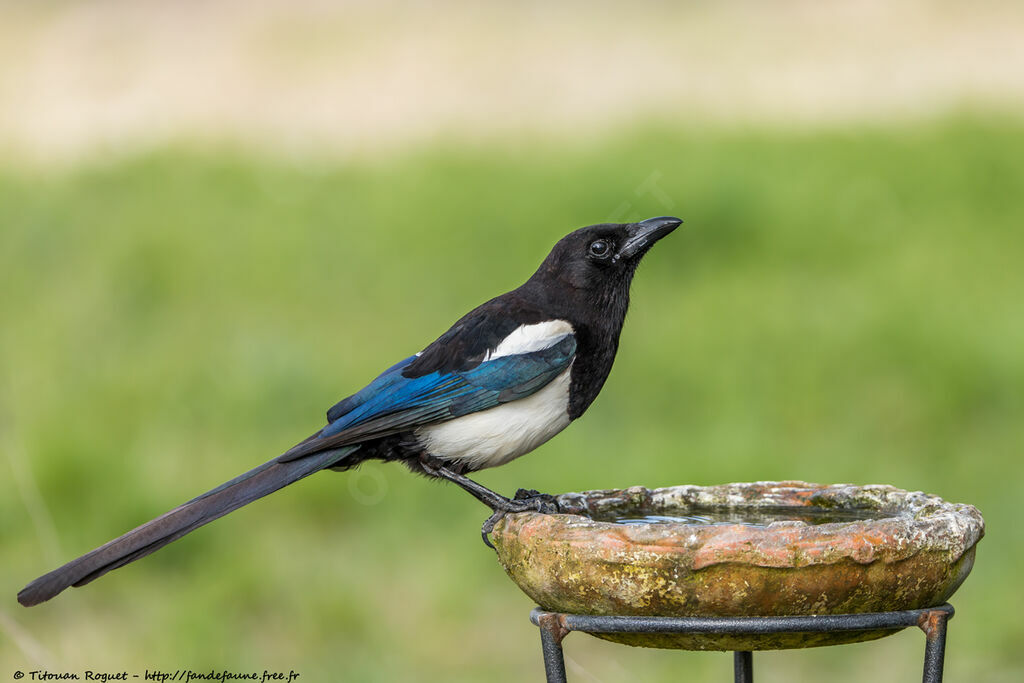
{"x": 490, "y": 498}
{"x": 525, "y": 500}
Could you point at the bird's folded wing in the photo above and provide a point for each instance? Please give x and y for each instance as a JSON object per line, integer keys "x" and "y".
{"x": 393, "y": 403}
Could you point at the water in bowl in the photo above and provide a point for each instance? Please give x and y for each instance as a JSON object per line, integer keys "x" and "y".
{"x": 749, "y": 516}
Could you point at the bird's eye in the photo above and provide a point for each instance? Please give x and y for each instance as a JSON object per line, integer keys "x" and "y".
{"x": 600, "y": 248}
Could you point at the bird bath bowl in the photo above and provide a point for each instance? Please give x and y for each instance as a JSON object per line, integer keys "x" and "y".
{"x": 740, "y": 550}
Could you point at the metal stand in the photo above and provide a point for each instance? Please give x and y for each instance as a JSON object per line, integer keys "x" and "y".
{"x": 932, "y": 620}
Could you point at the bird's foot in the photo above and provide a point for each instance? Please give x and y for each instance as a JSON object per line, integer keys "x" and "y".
{"x": 544, "y": 503}
{"x": 526, "y": 500}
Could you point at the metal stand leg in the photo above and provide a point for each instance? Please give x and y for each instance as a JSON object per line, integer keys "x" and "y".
{"x": 934, "y": 626}
{"x": 551, "y": 634}
{"x": 743, "y": 666}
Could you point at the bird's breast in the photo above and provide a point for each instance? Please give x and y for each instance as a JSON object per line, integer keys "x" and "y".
{"x": 497, "y": 435}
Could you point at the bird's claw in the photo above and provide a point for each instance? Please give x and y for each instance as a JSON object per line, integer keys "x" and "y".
{"x": 488, "y": 527}
{"x": 525, "y": 500}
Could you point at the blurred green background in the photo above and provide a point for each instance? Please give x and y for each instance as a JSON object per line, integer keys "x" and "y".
{"x": 843, "y": 304}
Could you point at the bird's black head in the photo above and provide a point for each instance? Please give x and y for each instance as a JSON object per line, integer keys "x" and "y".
{"x": 585, "y": 280}
{"x": 601, "y": 259}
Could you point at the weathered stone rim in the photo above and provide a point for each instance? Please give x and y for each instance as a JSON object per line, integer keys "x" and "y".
{"x": 918, "y": 522}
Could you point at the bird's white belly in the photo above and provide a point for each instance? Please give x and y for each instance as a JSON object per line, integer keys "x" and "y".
{"x": 497, "y": 435}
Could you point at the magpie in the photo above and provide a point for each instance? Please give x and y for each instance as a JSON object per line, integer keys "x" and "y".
{"x": 507, "y": 376}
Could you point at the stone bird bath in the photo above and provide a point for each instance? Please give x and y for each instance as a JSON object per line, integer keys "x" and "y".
{"x": 756, "y": 549}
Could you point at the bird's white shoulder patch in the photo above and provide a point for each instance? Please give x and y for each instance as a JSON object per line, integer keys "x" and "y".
{"x": 494, "y": 436}
{"x": 529, "y": 338}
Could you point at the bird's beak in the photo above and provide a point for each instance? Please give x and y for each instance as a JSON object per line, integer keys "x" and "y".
{"x": 645, "y": 233}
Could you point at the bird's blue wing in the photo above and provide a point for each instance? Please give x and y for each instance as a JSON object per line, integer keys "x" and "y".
{"x": 393, "y": 403}
{"x": 384, "y": 381}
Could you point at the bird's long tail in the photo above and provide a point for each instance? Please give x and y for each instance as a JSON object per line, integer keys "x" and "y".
{"x": 157, "y": 533}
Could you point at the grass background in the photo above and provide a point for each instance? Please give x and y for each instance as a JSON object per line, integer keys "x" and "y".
{"x": 843, "y": 304}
